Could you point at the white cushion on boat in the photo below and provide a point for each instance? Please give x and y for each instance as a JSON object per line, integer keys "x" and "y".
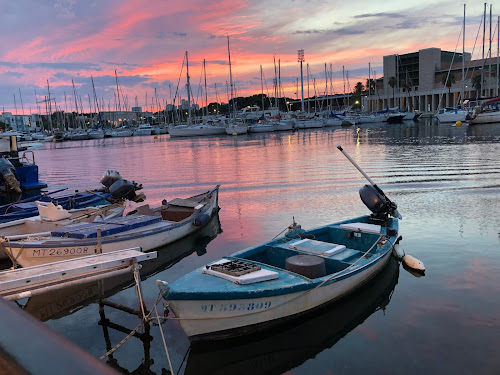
{"x": 362, "y": 227}
{"x": 317, "y": 247}
{"x": 249, "y": 278}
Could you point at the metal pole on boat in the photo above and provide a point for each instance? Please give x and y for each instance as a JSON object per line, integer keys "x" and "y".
{"x": 396, "y": 213}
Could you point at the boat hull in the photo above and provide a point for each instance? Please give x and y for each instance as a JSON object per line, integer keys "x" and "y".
{"x": 196, "y": 131}
{"x": 486, "y": 118}
{"x": 212, "y": 319}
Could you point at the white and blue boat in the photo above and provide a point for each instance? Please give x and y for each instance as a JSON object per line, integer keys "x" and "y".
{"x": 286, "y": 277}
{"x": 283, "y": 278}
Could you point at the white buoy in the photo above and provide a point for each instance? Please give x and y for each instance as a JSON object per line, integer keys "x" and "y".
{"x": 398, "y": 252}
{"x": 408, "y": 260}
{"x": 414, "y": 263}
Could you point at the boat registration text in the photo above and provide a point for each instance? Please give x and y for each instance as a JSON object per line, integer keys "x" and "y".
{"x": 246, "y": 306}
{"x": 60, "y": 252}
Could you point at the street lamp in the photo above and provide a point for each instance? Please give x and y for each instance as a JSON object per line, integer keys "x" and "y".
{"x": 301, "y": 59}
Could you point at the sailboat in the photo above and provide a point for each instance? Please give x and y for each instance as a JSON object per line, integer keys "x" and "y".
{"x": 190, "y": 130}
{"x": 240, "y": 127}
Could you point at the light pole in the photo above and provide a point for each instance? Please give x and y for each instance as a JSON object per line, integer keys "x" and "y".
{"x": 301, "y": 59}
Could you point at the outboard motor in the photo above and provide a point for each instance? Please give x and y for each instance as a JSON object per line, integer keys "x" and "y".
{"x": 9, "y": 177}
{"x": 123, "y": 189}
{"x": 109, "y": 177}
{"x": 378, "y": 203}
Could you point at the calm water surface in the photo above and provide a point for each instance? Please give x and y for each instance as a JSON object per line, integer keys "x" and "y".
{"x": 445, "y": 179}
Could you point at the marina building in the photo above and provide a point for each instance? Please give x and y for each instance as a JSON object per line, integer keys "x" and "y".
{"x": 416, "y": 80}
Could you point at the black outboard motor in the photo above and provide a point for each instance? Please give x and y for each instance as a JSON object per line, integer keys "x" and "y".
{"x": 109, "y": 177}
{"x": 8, "y": 177}
{"x": 378, "y": 203}
{"x": 123, "y": 189}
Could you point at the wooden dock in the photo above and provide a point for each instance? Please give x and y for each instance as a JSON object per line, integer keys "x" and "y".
{"x": 29, "y": 281}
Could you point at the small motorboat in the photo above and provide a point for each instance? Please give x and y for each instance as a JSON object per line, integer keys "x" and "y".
{"x": 267, "y": 284}
{"x": 257, "y": 287}
{"x": 145, "y": 228}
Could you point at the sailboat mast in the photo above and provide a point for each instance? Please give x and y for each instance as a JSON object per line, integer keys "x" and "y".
{"x": 49, "y": 106}
{"x": 489, "y": 52}
{"x": 463, "y": 61}
{"x": 262, "y": 90}
{"x": 206, "y": 94}
{"x": 343, "y": 81}
{"x": 369, "y": 87}
{"x": 308, "y": 95}
{"x": 118, "y": 92}
{"x": 231, "y": 81}
{"x": 188, "y": 89}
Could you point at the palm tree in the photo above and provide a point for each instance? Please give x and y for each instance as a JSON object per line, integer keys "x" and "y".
{"x": 358, "y": 89}
{"x": 476, "y": 83}
{"x": 370, "y": 85}
{"x": 392, "y": 83}
{"x": 448, "y": 82}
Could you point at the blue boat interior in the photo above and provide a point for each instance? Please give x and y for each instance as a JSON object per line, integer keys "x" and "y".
{"x": 108, "y": 227}
{"x": 334, "y": 248}
{"x": 351, "y": 246}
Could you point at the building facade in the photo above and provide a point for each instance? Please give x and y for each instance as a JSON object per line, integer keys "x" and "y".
{"x": 431, "y": 78}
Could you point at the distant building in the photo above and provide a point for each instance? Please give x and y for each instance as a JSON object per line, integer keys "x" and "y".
{"x": 20, "y": 123}
{"x": 136, "y": 109}
{"x": 418, "y": 78}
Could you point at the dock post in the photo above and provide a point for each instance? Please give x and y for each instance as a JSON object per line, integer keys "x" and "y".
{"x": 99, "y": 246}
{"x": 136, "y": 267}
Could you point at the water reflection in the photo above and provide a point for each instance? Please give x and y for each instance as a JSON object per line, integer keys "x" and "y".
{"x": 66, "y": 301}
{"x": 288, "y": 346}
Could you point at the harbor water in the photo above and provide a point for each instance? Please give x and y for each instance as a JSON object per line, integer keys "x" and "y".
{"x": 445, "y": 180}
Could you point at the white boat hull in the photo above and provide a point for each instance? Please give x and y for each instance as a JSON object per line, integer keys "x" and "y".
{"x": 195, "y": 131}
{"x": 486, "y": 118}
{"x": 309, "y": 124}
{"x": 260, "y": 128}
{"x": 449, "y": 117}
{"x": 203, "y": 317}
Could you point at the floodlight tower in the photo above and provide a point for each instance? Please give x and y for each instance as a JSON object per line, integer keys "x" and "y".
{"x": 301, "y": 59}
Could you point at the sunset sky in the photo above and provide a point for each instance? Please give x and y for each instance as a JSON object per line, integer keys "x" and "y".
{"x": 145, "y": 42}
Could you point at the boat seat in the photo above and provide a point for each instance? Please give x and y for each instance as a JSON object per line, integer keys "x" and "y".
{"x": 108, "y": 227}
{"x": 191, "y": 203}
{"x": 317, "y": 247}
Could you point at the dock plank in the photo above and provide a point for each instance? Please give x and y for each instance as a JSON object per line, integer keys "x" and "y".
{"x": 78, "y": 267}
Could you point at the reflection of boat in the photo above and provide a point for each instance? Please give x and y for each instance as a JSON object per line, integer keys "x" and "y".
{"x": 291, "y": 344}
{"x": 263, "y": 285}
{"x": 62, "y": 302}
{"x": 148, "y": 229}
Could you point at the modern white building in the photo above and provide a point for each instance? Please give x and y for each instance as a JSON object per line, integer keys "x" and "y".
{"x": 415, "y": 80}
